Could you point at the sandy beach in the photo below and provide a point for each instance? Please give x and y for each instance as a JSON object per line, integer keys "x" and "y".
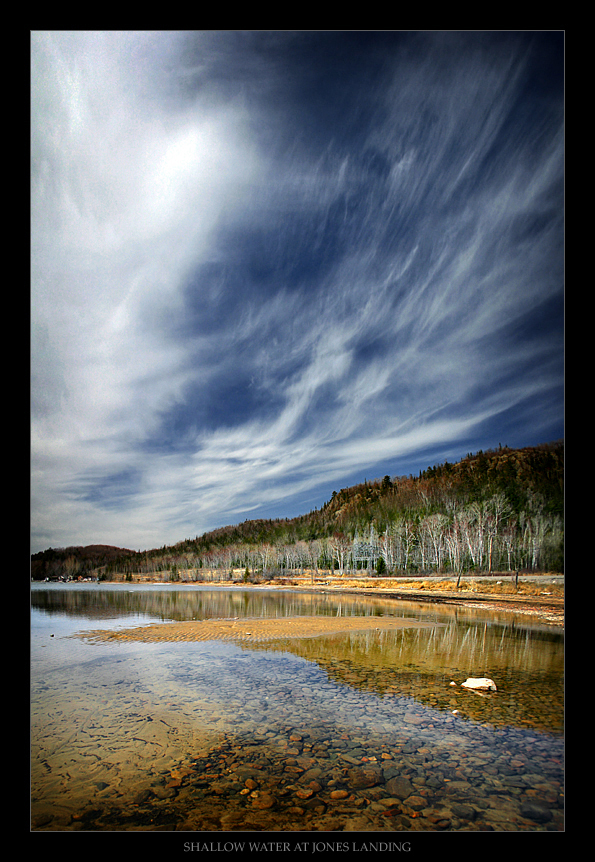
{"x": 253, "y": 630}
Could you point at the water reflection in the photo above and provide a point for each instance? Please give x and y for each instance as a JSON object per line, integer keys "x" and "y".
{"x": 113, "y": 724}
{"x": 162, "y": 603}
{"x": 421, "y": 664}
{"x": 527, "y": 663}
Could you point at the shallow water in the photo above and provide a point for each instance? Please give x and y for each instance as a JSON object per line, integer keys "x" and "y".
{"x": 360, "y": 732}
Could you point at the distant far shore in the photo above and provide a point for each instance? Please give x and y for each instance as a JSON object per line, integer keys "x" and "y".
{"x": 540, "y": 596}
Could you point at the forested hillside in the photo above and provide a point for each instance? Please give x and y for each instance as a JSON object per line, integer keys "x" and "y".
{"x": 75, "y": 561}
{"x": 499, "y": 510}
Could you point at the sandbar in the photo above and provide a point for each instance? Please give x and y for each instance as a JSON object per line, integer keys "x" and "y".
{"x": 254, "y": 629}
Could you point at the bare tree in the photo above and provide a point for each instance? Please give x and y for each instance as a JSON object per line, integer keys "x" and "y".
{"x": 340, "y": 547}
{"x": 473, "y": 527}
{"x": 406, "y": 538}
{"x": 454, "y": 543}
{"x": 314, "y": 551}
{"x": 498, "y": 511}
{"x": 434, "y": 527}
{"x": 388, "y": 547}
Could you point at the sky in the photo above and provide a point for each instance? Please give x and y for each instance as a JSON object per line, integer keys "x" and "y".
{"x": 266, "y": 265}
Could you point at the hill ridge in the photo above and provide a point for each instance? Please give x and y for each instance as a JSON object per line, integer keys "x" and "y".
{"x": 528, "y": 482}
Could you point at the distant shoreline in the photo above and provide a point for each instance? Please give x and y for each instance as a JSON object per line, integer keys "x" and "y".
{"x": 538, "y": 596}
{"x": 541, "y": 597}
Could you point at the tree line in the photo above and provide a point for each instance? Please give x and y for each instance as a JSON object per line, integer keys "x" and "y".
{"x": 480, "y": 537}
{"x": 500, "y": 510}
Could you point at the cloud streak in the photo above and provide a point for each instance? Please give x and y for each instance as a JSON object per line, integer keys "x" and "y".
{"x": 268, "y": 264}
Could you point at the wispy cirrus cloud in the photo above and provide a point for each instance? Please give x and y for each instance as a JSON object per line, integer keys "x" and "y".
{"x": 264, "y": 264}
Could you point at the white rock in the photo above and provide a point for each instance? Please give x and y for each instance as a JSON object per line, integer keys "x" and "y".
{"x": 481, "y": 683}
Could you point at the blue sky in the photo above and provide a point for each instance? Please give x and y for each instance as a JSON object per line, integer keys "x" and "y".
{"x": 269, "y": 264}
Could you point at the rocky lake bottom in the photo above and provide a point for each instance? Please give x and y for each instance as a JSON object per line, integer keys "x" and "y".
{"x": 358, "y": 732}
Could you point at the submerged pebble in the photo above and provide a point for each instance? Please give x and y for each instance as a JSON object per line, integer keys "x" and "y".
{"x": 258, "y": 787}
{"x": 336, "y": 735}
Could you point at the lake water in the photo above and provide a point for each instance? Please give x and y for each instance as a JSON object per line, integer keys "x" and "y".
{"x": 361, "y": 732}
